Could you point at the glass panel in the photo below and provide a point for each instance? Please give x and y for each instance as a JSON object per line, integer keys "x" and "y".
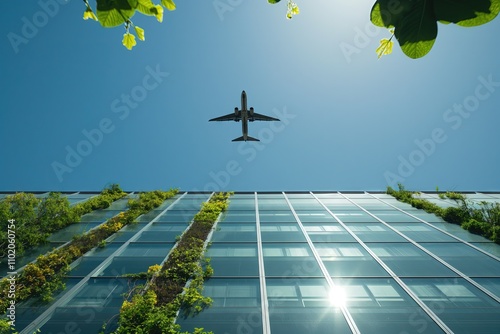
{"x": 491, "y": 284}
{"x": 146, "y": 249}
{"x": 394, "y": 216}
{"x": 357, "y": 216}
{"x": 459, "y": 232}
{"x": 289, "y": 259}
{"x": 276, "y": 217}
{"x": 239, "y": 216}
{"x": 336, "y": 205}
{"x": 421, "y": 232}
{"x": 490, "y": 247}
{"x": 122, "y": 265}
{"x": 315, "y": 216}
{"x": 382, "y": 306}
{"x": 333, "y": 232}
{"x": 98, "y": 302}
{"x": 177, "y": 217}
{"x": 461, "y": 306}
{"x": 406, "y": 259}
{"x": 305, "y": 204}
{"x": 273, "y": 204}
{"x": 231, "y": 259}
{"x": 466, "y": 259}
{"x": 282, "y": 232}
{"x": 370, "y": 232}
{"x": 348, "y": 259}
{"x": 241, "y": 204}
{"x": 303, "y": 306}
{"x": 235, "y": 309}
{"x": 235, "y": 232}
{"x": 86, "y": 265}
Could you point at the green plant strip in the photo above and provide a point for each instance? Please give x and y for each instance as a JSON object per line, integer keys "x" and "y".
{"x": 155, "y": 309}
{"x": 482, "y": 219}
{"x": 38, "y": 218}
{"x": 45, "y": 276}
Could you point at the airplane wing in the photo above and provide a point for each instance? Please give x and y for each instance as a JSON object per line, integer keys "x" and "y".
{"x": 228, "y": 117}
{"x": 259, "y": 117}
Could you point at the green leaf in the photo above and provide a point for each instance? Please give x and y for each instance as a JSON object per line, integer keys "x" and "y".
{"x": 159, "y": 15}
{"x": 168, "y": 4}
{"x": 273, "y": 1}
{"x": 417, "y": 33}
{"x": 140, "y": 33}
{"x": 385, "y": 47}
{"x": 89, "y": 14}
{"x": 112, "y": 13}
{"x": 387, "y": 13}
{"x": 147, "y": 7}
{"x": 467, "y": 13}
{"x": 129, "y": 40}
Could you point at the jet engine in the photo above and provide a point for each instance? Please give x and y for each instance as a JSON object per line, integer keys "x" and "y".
{"x": 251, "y": 111}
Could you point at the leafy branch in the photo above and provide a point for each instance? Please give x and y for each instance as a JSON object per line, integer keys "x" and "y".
{"x": 113, "y": 13}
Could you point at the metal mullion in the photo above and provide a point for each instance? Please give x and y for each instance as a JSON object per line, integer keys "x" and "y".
{"x": 266, "y": 326}
{"x": 398, "y": 280}
{"x": 326, "y": 274}
{"x": 435, "y": 257}
{"x": 44, "y": 317}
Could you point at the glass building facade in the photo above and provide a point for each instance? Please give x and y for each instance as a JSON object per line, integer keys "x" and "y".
{"x": 296, "y": 262}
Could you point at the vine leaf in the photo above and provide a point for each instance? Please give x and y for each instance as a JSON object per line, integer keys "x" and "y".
{"x": 168, "y": 4}
{"x": 112, "y": 13}
{"x": 89, "y": 14}
{"x": 385, "y": 47}
{"x": 140, "y": 33}
{"x": 129, "y": 40}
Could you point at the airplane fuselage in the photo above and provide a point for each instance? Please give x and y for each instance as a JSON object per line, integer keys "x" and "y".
{"x": 244, "y": 115}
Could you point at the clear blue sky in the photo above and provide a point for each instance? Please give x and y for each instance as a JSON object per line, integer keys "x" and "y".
{"x": 349, "y": 121}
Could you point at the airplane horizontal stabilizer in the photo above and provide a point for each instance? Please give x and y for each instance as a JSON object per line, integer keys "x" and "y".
{"x": 243, "y": 139}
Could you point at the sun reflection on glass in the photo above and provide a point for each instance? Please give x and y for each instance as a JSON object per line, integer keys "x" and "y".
{"x": 337, "y": 296}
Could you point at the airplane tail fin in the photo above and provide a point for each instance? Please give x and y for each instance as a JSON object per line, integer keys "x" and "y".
{"x": 248, "y": 139}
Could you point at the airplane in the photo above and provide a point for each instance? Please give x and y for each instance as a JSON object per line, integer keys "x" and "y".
{"x": 244, "y": 115}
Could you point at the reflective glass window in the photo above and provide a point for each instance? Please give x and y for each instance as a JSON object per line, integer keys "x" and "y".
{"x": 305, "y": 204}
{"x": 281, "y": 232}
{"x": 289, "y": 259}
{"x": 227, "y": 232}
{"x": 357, "y": 216}
{"x": 236, "y": 308}
{"x": 318, "y": 216}
{"x": 243, "y": 216}
{"x": 382, "y": 306}
{"x": 469, "y": 261}
{"x": 348, "y": 259}
{"x": 421, "y": 232}
{"x": 492, "y": 284}
{"x": 233, "y": 259}
{"x": 374, "y": 232}
{"x": 394, "y": 216}
{"x": 329, "y": 232}
{"x": 276, "y": 216}
{"x": 303, "y": 306}
{"x": 406, "y": 259}
{"x": 96, "y": 303}
{"x": 461, "y": 306}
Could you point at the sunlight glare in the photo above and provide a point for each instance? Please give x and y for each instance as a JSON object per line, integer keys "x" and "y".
{"x": 337, "y": 296}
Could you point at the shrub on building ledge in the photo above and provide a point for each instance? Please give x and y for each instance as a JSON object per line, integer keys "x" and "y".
{"x": 482, "y": 218}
